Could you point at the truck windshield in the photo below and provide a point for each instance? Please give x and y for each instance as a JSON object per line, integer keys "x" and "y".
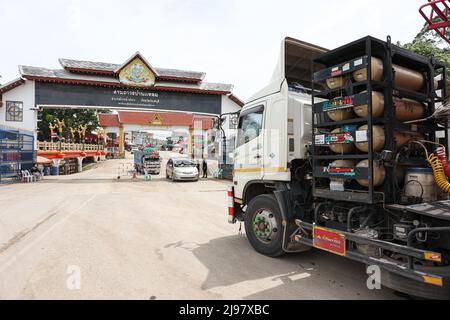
{"x": 184, "y": 163}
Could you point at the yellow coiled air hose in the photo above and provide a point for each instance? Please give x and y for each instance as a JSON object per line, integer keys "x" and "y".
{"x": 438, "y": 169}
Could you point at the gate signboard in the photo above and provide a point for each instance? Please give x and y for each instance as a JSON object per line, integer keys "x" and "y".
{"x": 60, "y": 95}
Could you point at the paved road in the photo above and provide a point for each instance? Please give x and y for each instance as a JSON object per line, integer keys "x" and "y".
{"x": 149, "y": 240}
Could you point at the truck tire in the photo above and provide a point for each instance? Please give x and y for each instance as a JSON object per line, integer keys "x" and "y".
{"x": 263, "y": 226}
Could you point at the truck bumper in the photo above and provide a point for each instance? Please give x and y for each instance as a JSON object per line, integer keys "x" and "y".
{"x": 419, "y": 288}
{"x": 431, "y": 282}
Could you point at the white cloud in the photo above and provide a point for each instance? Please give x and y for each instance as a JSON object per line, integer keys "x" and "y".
{"x": 235, "y": 41}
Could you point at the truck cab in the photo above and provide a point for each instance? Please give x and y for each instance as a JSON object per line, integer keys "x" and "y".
{"x": 274, "y": 128}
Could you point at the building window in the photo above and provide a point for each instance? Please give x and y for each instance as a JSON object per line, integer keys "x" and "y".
{"x": 14, "y": 111}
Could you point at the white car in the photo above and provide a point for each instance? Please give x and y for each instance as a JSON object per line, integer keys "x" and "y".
{"x": 181, "y": 169}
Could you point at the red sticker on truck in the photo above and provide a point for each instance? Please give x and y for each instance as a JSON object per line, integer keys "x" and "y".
{"x": 329, "y": 240}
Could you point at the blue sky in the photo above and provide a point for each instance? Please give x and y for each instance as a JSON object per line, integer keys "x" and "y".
{"x": 235, "y": 41}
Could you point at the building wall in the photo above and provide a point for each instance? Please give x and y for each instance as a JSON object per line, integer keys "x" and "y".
{"x": 111, "y": 130}
{"x": 26, "y": 94}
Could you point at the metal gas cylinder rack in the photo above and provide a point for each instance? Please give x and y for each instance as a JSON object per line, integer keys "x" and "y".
{"x": 369, "y": 101}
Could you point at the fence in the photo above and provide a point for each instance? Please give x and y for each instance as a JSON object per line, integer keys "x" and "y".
{"x": 16, "y": 152}
{"x": 51, "y": 146}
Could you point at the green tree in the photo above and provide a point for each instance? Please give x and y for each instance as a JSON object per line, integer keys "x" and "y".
{"x": 430, "y": 44}
{"x": 72, "y": 118}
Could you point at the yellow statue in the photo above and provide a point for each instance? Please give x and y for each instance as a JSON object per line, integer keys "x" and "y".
{"x": 60, "y": 125}
{"x": 72, "y": 133}
{"x": 100, "y": 133}
{"x": 52, "y": 128}
{"x": 82, "y": 131}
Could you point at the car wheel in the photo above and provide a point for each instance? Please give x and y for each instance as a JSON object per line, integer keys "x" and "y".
{"x": 263, "y": 225}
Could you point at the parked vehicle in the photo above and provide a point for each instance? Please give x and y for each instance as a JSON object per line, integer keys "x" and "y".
{"x": 335, "y": 164}
{"x": 181, "y": 169}
{"x": 134, "y": 149}
{"x": 147, "y": 160}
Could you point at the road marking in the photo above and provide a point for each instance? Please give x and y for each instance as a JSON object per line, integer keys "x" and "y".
{"x": 14, "y": 258}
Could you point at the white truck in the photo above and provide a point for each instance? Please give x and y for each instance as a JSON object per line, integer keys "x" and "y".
{"x": 274, "y": 193}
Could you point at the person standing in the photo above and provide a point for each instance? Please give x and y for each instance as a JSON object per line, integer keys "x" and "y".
{"x": 205, "y": 169}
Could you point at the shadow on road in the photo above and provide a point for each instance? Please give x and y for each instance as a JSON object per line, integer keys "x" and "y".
{"x": 309, "y": 275}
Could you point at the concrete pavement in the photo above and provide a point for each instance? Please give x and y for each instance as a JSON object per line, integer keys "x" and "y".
{"x": 149, "y": 240}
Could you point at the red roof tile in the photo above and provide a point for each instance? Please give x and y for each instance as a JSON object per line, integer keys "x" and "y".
{"x": 108, "y": 120}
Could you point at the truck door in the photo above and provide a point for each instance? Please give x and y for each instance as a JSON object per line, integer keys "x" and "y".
{"x": 249, "y": 147}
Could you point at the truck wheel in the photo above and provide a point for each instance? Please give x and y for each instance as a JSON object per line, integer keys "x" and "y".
{"x": 263, "y": 226}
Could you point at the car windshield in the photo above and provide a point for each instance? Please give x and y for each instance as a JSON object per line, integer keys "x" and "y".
{"x": 183, "y": 163}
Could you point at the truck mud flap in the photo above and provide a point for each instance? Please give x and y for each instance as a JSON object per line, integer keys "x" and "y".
{"x": 289, "y": 230}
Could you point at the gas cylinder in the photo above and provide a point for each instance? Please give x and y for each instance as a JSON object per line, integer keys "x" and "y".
{"x": 362, "y": 111}
{"x": 336, "y": 82}
{"x": 341, "y": 114}
{"x": 379, "y": 139}
{"x": 408, "y": 110}
{"x": 342, "y": 164}
{"x": 405, "y": 109}
{"x": 379, "y": 174}
{"x": 403, "y": 77}
{"x": 377, "y": 71}
{"x": 337, "y": 184}
{"x": 403, "y": 137}
{"x": 341, "y": 148}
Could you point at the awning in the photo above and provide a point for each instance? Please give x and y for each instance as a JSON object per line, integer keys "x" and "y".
{"x": 43, "y": 160}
